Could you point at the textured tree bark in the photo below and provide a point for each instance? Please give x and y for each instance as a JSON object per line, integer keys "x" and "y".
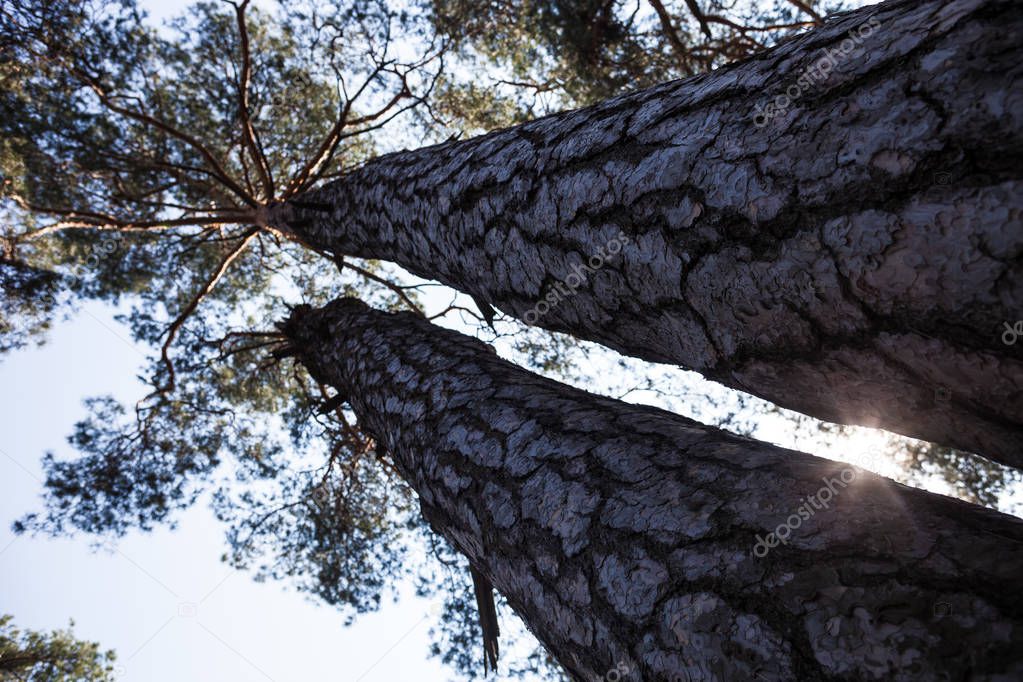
{"x": 854, "y": 254}
{"x": 632, "y": 539}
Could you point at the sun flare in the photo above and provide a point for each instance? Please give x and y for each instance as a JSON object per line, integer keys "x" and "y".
{"x": 866, "y": 448}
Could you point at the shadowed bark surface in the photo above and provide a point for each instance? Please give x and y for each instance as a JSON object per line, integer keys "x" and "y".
{"x": 625, "y": 535}
{"x": 853, "y": 254}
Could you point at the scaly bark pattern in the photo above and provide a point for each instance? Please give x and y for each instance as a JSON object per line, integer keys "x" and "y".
{"x": 625, "y": 536}
{"x": 856, "y": 258}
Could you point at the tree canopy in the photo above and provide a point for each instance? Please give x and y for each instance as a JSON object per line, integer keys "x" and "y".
{"x": 583, "y": 51}
{"x": 57, "y": 656}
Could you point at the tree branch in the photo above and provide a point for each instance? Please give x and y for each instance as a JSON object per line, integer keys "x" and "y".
{"x": 210, "y": 283}
{"x": 248, "y": 132}
{"x": 387, "y": 283}
{"x": 668, "y": 28}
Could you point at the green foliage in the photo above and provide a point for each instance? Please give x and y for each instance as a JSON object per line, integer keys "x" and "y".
{"x": 968, "y": 476}
{"x": 128, "y": 477}
{"x": 457, "y": 635}
{"x": 473, "y": 109}
{"x": 333, "y": 520}
{"x": 579, "y": 52}
{"x": 28, "y": 295}
{"x": 58, "y": 149}
{"x": 32, "y": 656}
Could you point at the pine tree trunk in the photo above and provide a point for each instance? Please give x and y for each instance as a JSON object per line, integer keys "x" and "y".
{"x": 637, "y": 541}
{"x": 855, "y": 255}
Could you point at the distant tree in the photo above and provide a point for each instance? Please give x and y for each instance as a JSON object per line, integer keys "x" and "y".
{"x": 57, "y": 656}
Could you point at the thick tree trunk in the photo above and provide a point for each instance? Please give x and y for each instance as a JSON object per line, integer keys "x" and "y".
{"x": 856, "y": 257}
{"x": 629, "y": 538}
